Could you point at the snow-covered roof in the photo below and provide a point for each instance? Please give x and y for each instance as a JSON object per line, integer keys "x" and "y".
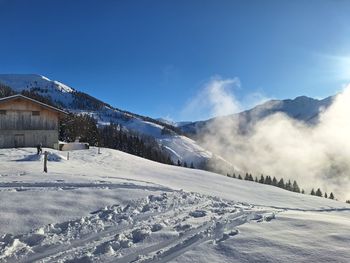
{"x": 32, "y": 100}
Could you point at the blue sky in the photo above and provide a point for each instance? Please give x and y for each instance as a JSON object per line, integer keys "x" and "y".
{"x": 156, "y": 57}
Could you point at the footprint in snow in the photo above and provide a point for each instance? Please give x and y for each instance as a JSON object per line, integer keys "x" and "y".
{"x": 198, "y": 213}
{"x": 226, "y": 236}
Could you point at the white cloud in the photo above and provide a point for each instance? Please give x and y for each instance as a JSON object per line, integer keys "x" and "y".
{"x": 316, "y": 156}
{"x": 217, "y": 98}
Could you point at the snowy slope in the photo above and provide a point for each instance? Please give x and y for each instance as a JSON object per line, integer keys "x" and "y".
{"x": 174, "y": 123}
{"x": 56, "y": 90}
{"x": 177, "y": 146}
{"x": 27, "y": 81}
{"x": 115, "y": 207}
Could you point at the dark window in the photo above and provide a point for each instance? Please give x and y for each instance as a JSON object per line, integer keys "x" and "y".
{"x": 2, "y": 112}
{"x": 35, "y": 113}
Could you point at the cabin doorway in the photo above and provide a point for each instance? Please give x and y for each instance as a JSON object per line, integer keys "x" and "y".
{"x": 19, "y": 140}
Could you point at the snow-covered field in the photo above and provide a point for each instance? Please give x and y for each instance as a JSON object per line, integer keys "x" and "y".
{"x": 115, "y": 207}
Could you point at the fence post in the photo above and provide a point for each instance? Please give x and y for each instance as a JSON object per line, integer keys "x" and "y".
{"x": 45, "y": 161}
{"x": 67, "y": 155}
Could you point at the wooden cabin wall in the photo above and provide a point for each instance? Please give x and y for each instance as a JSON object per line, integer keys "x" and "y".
{"x": 29, "y": 138}
{"x": 19, "y": 117}
{"x": 19, "y": 127}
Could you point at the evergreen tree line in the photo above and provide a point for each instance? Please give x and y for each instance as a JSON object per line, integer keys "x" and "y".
{"x": 84, "y": 101}
{"x": 289, "y": 186}
{"x": 81, "y": 126}
{"x": 44, "y": 99}
{"x": 319, "y": 193}
{"x": 184, "y": 164}
{"x": 5, "y": 91}
{"x": 111, "y": 136}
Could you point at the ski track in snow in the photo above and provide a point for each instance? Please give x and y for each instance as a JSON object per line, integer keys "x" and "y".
{"x": 154, "y": 229}
{"x": 45, "y": 186}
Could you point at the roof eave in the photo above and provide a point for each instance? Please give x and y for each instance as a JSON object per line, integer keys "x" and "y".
{"x": 35, "y": 101}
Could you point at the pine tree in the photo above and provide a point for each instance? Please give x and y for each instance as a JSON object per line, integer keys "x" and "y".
{"x": 348, "y": 201}
{"x": 274, "y": 181}
{"x": 185, "y": 164}
{"x": 303, "y": 191}
{"x": 79, "y": 126}
{"x": 178, "y": 163}
{"x": 251, "y": 178}
{"x": 325, "y": 195}
{"x": 289, "y": 186}
{"x": 318, "y": 192}
{"x": 281, "y": 183}
{"x": 246, "y": 177}
{"x": 234, "y": 175}
{"x": 256, "y": 179}
{"x": 312, "y": 192}
{"x": 169, "y": 161}
{"x": 228, "y": 175}
{"x": 262, "y": 179}
{"x": 240, "y": 177}
{"x": 331, "y": 196}
{"x": 296, "y": 187}
{"x": 192, "y": 166}
{"x": 6, "y": 91}
{"x": 268, "y": 180}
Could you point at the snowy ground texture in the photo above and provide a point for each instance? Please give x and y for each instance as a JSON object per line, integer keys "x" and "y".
{"x": 114, "y": 207}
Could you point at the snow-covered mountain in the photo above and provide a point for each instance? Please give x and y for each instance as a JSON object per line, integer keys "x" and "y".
{"x": 174, "y": 123}
{"x": 301, "y": 108}
{"x": 57, "y": 91}
{"x": 176, "y": 145}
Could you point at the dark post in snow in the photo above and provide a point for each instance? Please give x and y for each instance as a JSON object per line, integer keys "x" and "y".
{"x": 67, "y": 155}
{"x": 45, "y": 161}
{"x": 99, "y": 150}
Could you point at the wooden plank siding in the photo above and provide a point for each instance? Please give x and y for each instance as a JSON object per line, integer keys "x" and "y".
{"x": 24, "y": 120}
{"x": 24, "y": 123}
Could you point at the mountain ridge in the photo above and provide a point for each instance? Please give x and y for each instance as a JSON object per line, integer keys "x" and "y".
{"x": 301, "y": 108}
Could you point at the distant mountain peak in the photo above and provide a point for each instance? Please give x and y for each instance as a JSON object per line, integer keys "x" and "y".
{"x": 304, "y": 98}
{"x": 302, "y": 108}
{"x": 20, "y": 82}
